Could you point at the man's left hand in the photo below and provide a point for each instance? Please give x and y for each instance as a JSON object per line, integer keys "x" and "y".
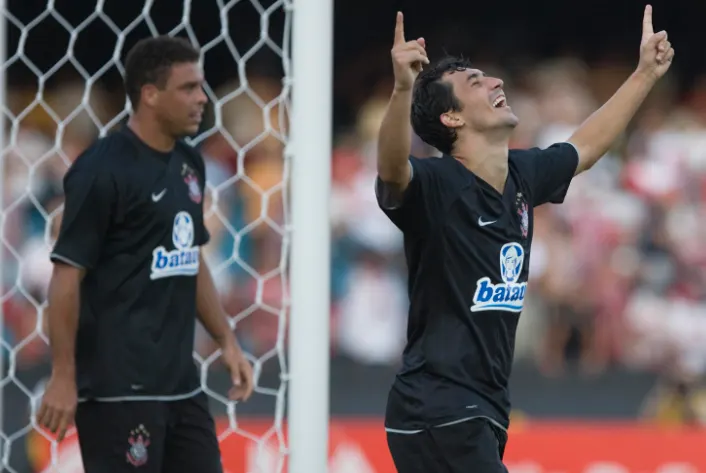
{"x": 656, "y": 52}
{"x": 240, "y": 372}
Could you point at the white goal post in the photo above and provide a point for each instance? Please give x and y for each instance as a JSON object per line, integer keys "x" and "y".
{"x": 296, "y": 426}
{"x": 312, "y": 49}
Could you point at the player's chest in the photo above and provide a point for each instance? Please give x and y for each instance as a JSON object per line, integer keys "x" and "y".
{"x": 491, "y": 246}
{"x": 156, "y": 195}
{"x": 484, "y": 217}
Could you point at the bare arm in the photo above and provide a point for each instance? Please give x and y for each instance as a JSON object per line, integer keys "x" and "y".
{"x": 394, "y": 142}
{"x": 600, "y": 130}
{"x": 90, "y": 197}
{"x": 215, "y": 321}
{"x": 598, "y": 133}
{"x": 62, "y": 318}
{"x": 59, "y": 400}
{"x": 209, "y": 309}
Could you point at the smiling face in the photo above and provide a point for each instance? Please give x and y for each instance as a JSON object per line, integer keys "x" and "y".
{"x": 451, "y": 97}
{"x": 484, "y": 106}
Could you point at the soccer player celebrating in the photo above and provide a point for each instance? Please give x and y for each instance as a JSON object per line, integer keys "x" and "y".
{"x": 129, "y": 280}
{"x": 467, "y": 219}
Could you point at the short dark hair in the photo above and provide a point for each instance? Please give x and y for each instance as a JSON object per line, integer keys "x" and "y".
{"x": 433, "y": 97}
{"x": 150, "y": 61}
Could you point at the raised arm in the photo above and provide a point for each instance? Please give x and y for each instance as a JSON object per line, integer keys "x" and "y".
{"x": 600, "y": 130}
{"x": 396, "y": 130}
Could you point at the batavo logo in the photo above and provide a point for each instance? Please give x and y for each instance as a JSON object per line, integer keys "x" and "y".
{"x": 359, "y": 446}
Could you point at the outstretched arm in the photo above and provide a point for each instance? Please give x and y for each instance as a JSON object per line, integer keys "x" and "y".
{"x": 600, "y": 130}
{"x": 396, "y": 130}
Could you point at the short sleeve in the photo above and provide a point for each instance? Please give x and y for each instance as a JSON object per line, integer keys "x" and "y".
{"x": 88, "y": 206}
{"x": 415, "y": 210}
{"x": 551, "y": 171}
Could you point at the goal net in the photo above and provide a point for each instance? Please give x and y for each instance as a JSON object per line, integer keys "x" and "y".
{"x": 62, "y": 70}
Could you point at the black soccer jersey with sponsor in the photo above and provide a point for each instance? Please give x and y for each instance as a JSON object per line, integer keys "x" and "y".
{"x": 133, "y": 218}
{"x": 467, "y": 248}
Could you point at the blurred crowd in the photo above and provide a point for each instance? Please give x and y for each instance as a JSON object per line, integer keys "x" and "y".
{"x": 618, "y": 273}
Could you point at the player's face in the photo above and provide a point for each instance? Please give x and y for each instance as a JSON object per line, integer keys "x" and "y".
{"x": 182, "y": 101}
{"x": 485, "y": 106}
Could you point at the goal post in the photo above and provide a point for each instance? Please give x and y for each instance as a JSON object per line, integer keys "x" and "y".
{"x": 312, "y": 50}
{"x": 295, "y": 120}
{"x": 3, "y": 95}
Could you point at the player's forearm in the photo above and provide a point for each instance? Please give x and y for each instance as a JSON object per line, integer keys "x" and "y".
{"x": 62, "y": 317}
{"x": 597, "y": 134}
{"x": 209, "y": 309}
{"x": 394, "y": 143}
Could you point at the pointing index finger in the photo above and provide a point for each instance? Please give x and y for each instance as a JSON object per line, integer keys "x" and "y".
{"x": 647, "y": 29}
{"x": 399, "y": 29}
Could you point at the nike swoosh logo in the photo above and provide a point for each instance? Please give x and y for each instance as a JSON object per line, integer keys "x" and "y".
{"x": 483, "y": 224}
{"x": 158, "y": 197}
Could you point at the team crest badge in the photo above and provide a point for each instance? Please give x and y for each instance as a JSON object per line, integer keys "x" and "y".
{"x": 192, "y": 182}
{"x": 523, "y": 213}
{"x": 139, "y": 440}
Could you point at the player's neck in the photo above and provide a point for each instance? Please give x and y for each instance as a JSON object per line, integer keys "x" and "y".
{"x": 485, "y": 156}
{"x": 149, "y": 131}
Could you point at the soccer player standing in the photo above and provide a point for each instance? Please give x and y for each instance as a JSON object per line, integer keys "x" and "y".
{"x": 129, "y": 281}
{"x": 467, "y": 220}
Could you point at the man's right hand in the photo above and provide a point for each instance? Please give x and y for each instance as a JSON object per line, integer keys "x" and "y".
{"x": 58, "y": 405}
{"x": 408, "y": 57}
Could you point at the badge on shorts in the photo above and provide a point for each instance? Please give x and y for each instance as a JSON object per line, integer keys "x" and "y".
{"x": 139, "y": 440}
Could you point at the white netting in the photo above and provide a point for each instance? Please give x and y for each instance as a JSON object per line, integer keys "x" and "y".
{"x": 62, "y": 69}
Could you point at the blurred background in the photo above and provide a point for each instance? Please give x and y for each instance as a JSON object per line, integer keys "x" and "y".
{"x": 611, "y": 348}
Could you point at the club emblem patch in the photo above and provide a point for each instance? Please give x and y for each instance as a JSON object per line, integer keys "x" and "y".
{"x": 192, "y": 183}
{"x": 139, "y": 440}
{"x": 523, "y": 213}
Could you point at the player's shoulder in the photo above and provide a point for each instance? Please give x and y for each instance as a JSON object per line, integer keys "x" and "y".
{"x": 439, "y": 167}
{"x": 106, "y": 150}
{"x": 441, "y": 176}
{"x": 94, "y": 168}
{"x": 437, "y": 162}
{"x": 527, "y": 160}
{"x": 522, "y": 164}
{"x": 102, "y": 155}
{"x": 522, "y": 155}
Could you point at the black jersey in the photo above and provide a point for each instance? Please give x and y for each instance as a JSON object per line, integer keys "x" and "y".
{"x": 467, "y": 248}
{"x": 133, "y": 218}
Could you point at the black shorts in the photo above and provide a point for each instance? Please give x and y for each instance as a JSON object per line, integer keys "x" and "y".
{"x": 475, "y": 445}
{"x": 158, "y": 437}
